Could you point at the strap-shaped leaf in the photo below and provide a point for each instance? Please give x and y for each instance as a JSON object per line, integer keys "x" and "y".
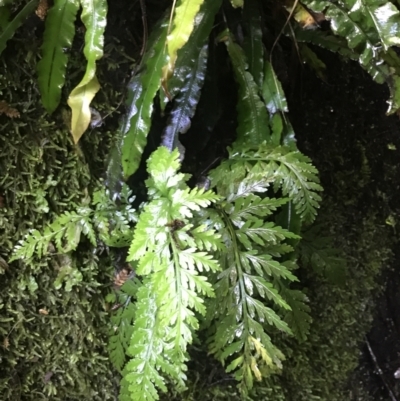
{"x": 141, "y": 92}
{"x": 57, "y": 38}
{"x": 8, "y": 30}
{"x": 272, "y": 91}
{"x": 253, "y": 46}
{"x": 369, "y": 28}
{"x": 94, "y": 18}
{"x": 188, "y": 55}
{"x": 324, "y": 39}
{"x": 252, "y": 115}
{"x": 4, "y": 16}
{"x": 186, "y": 102}
{"x": 183, "y": 24}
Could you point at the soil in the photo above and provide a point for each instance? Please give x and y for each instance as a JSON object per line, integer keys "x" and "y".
{"x": 341, "y": 124}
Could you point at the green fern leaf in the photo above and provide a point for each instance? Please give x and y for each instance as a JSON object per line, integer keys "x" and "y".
{"x": 253, "y": 46}
{"x": 272, "y": 91}
{"x": 5, "y": 14}
{"x": 147, "y": 345}
{"x": 263, "y": 264}
{"x": 182, "y": 26}
{"x": 326, "y": 40}
{"x": 57, "y": 38}
{"x": 161, "y": 246}
{"x": 290, "y": 170}
{"x": 94, "y": 13}
{"x": 8, "y": 30}
{"x": 186, "y": 102}
{"x": 122, "y": 324}
{"x": 251, "y": 206}
{"x": 298, "y": 318}
{"x": 366, "y": 31}
{"x": 141, "y": 92}
{"x": 188, "y": 55}
{"x": 242, "y": 293}
{"x": 253, "y": 126}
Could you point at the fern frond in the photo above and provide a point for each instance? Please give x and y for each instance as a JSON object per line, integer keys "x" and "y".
{"x": 57, "y": 38}
{"x": 188, "y": 55}
{"x": 244, "y": 290}
{"x": 182, "y": 26}
{"x": 65, "y": 231}
{"x": 298, "y": 318}
{"x": 9, "y": 28}
{"x": 253, "y": 126}
{"x": 150, "y": 349}
{"x": 253, "y": 46}
{"x": 103, "y": 219}
{"x": 163, "y": 248}
{"x": 93, "y": 16}
{"x": 369, "y": 36}
{"x": 288, "y": 169}
{"x": 141, "y": 92}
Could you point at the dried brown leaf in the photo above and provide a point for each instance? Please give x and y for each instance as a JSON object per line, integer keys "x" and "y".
{"x": 9, "y": 111}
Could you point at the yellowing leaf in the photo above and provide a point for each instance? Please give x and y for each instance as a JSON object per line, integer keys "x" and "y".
{"x": 237, "y": 3}
{"x": 79, "y": 101}
{"x": 301, "y": 14}
{"x": 183, "y": 24}
{"x": 93, "y": 16}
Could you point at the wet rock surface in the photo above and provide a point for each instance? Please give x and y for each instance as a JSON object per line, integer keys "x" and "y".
{"x": 341, "y": 124}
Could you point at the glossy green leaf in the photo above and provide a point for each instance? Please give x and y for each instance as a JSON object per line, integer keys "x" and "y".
{"x": 186, "y": 102}
{"x": 9, "y": 28}
{"x": 141, "y": 92}
{"x": 252, "y": 115}
{"x": 326, "y": 40}
{"x": 272, "y": 91}
{"x": 188, "y": 55}
{"x": 93, "y": 16}
{"x": 57, "y": 40}
{"x": 182, "y": 26}
{"x": 370, "y": 27}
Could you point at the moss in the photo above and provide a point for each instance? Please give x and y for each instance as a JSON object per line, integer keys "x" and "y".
{"x": 53, "y": 340}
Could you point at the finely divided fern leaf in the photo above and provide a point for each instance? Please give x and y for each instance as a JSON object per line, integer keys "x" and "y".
{"x": 240, "y": 315}
{"x": 174, "y": 269}
{"x": 287, "y": 169}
